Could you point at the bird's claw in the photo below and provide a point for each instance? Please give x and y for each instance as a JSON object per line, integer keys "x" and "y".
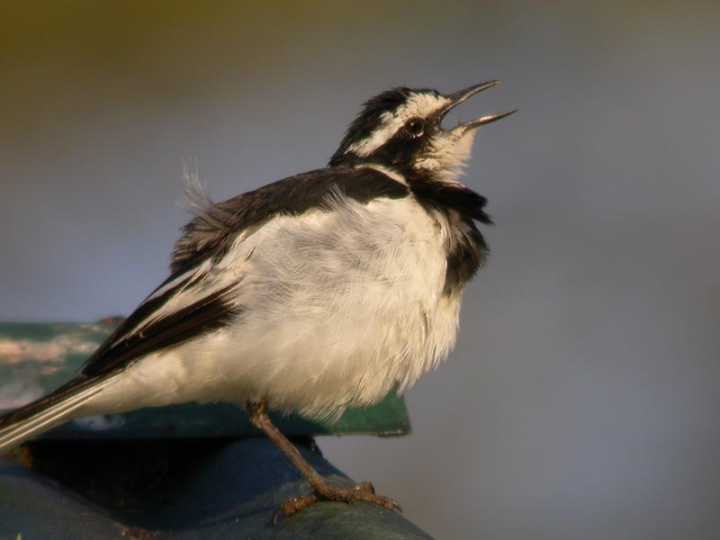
{"x": 364, "y": 492}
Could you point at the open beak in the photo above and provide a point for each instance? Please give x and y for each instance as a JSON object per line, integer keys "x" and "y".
{"x": 463, "y": 95}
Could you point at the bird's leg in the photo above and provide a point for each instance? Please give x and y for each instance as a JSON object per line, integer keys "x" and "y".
{"x": 323, "y": 490}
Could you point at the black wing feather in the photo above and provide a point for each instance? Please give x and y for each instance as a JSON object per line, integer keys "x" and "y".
{"x": 208, "y": 314}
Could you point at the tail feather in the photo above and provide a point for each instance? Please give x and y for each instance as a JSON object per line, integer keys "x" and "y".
{"x": 39, "y": 416}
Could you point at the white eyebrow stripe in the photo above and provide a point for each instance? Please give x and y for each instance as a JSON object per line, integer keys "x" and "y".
{"x": 390, "y": 124}
{"x": 420, "y": 105}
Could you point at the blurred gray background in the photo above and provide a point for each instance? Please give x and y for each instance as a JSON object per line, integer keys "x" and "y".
{"x": 582, "y": 399}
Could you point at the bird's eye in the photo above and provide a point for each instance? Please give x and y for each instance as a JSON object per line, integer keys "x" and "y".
{"x": 415, "y": 127}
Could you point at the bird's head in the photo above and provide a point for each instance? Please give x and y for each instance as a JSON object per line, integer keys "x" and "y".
{"x": 402, "y": 129}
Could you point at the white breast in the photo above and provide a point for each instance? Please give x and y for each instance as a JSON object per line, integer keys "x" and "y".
{"x": 337, "y": 308}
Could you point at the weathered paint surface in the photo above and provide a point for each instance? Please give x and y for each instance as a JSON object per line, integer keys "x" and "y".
{"x": 182, "y": 490}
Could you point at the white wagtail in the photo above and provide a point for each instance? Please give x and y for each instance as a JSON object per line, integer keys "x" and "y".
{"x": 319, "y": 292}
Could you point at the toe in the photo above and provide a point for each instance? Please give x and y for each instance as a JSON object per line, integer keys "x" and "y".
{"x": 386, "y": 502}
{"x": 365, "y": 487}
{"x": 293, "y": 506}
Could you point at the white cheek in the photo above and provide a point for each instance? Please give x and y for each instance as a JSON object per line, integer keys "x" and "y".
{"x": 463, "y": 149}
{"x": 448, "y": 155}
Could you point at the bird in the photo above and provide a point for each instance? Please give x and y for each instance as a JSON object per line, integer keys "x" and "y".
{"x": 318, "y": 292}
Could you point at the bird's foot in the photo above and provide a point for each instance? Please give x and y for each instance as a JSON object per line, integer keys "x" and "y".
{"x": 364, "y": 492}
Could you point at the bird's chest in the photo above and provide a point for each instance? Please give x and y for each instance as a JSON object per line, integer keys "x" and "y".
{"x": 452, "y": 251}
{"x": 352, "y": 302}
{"x": 420, "y": 301}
